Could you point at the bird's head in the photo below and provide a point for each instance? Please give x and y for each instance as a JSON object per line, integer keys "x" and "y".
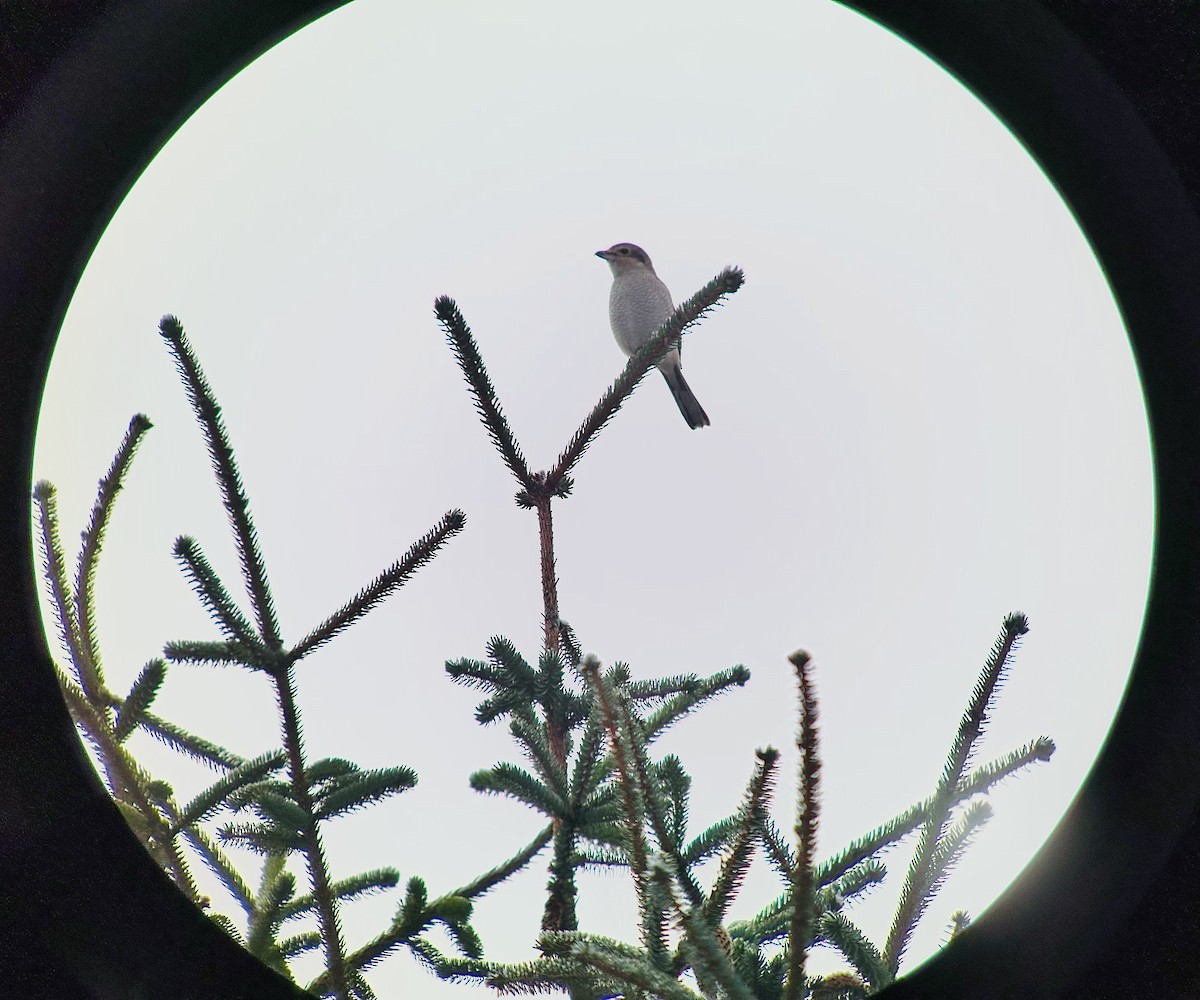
{"x": 625, "y": 258}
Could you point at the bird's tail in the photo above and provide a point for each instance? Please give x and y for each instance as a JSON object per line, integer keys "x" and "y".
{"x": 688, "y": 404}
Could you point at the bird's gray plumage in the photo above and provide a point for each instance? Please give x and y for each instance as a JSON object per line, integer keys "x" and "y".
{"x": 638, "y": 304}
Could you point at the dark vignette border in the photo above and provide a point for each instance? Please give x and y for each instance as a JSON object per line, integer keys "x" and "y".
{"x": 92, "y": 92}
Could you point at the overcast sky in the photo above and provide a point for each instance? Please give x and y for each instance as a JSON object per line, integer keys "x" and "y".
{"x": 925, "y": 414}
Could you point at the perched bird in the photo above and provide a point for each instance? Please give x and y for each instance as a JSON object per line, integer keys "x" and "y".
{"x": 637, "y": 306}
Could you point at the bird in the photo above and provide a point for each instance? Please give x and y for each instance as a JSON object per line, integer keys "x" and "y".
{"x": 638, "y": 304}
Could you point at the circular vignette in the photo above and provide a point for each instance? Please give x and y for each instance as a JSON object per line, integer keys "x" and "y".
{"x": 1054, "y": 931}
{"x": 94, "y": 904}
{"x": 86, "y": 913}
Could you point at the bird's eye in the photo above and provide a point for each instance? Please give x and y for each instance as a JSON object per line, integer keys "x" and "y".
{"x": 624, "y": 250}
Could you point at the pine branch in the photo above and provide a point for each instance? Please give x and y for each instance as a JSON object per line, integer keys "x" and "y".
{"x": 516, "y": 782}
{"x": 300, "y": 943}
{"x": 55, "y": 573}
{"x": 237, "y": 504}
{"x": 854, "y": 883}
{"x": 394, "y": 577}
{"x": 709, "y": 959}
{"x": 355, "y": 887}
{"x": 737, "y": 859}
{"x": 712, "y": 840}
{"x": 212, "y": 856}
{"x": 493, "y": 877}
{"x": 921, "y": 873}
{"x": 275, "y": 890}
{"x": 777, "y": 850}
{"x": 984, "y": 777}
{"x": 684, "y": 703}
{"x": 676, "y": 786}
{"x": 631, "y": 793}
{"x": 414, "y": 916}
{"x": 487, "y": 405}
{"x": 362, "y": 789}
{"x": 615, "y": 962}
{"x": 93, "y": 540}
{"x": 960, "y": 920}
{"x": 952, "y": 845}
{"x": 141, "y": 695}
{"x": 653, "y": 808}
{"x": 857, "y": 949}
{"x": 531, "y": 734}
{"x": 686, "y": 315}
{"x": 211, "y": 591}
{"x": 217, "y": 794}
{"x": 571, "y": 649}
{"x": 261, "y": 838}
{"x": 194, "y": 746}
{"x": 807, "y": 811}
{"x": 221, "y": 654}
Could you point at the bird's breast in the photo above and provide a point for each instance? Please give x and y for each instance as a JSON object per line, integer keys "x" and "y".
{"x": 637, "y": 306}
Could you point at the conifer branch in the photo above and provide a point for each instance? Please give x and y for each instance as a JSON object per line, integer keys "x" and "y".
{"x": 490, "y": 879}
{"x": 487, "y": 405}
{"x": 709, "y": 959}
{"x": 516, "y": 782}
{"x": 221, "y": 654}
{"x": 363, "y": 884}
{"x": 858, "y": 950}
{"x": 676, "y": 787}
{"x": 55, "y": 572}
{"x": 952, "y": 845}
{"x": 300, "y": 943}
{"x": 309, "y": 835}
{"x": 531, "y": 734}
{"x": 571, "y": 650}
{"x": 652, "y": 352}
{"x": 237, "y": 504}
{"x": 129, "y": 785}
{"x": 654, "y": 810}
{"x": 712, "y": 840}
{"x": 141, "y": 695}
{"x": 919, "y": 884}
{"x": 987, "y": 775}
{"x": 635, "y": 809}
{"x": 362, "y": 789}
{"x": 684, "y": 703}
{"x": 93, "y": 540}
{"x": 262, "y": 838}
{"x": 977, "y": 782}
{"x": 960, "y": 920}
{"x": 207, "y": 802}
{"x": 391, "y": 579}
{"x": 211, "y": 591}
{"x": 618, "y": 964}
{"x": 777, "y": 850}
{"x": 189, "y": 743}
{"x": 807, "y": 811}
{"x": 736, "y": 861}
{"x": 212, "y": 856}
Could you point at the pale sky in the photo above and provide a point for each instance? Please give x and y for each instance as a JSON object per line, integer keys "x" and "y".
{"x": 925, "y": 414}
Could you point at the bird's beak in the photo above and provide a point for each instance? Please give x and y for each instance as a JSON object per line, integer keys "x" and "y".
{"x": 604, "y": 254}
